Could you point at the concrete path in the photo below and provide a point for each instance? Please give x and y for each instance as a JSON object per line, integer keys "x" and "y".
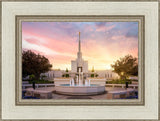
{"x": 97, "y": 97}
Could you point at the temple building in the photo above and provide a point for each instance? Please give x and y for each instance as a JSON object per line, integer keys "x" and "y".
{"x": 79, "y": 64}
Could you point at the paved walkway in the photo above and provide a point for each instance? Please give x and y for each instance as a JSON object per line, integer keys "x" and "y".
{"x": 100, "y": 96}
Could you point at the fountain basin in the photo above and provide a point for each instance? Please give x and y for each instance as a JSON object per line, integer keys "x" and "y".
{"x": 93, "y": 89}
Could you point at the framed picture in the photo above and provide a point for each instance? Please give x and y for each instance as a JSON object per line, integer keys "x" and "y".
{"x": 80, "y": 60}
{"x": 80, "y": 79}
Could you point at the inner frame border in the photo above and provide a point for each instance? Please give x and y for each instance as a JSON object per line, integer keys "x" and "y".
{"x": 80, "y": 18}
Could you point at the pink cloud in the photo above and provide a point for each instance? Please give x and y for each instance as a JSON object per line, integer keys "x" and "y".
{"x": 104, "y": 28}
{"x": 60, "y": 45}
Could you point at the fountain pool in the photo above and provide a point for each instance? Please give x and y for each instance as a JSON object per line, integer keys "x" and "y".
{"x": 67, "y": 89}
{"x": 80, "y": 86}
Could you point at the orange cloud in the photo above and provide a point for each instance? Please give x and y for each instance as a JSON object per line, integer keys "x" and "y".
{"x": 102, "y": 43}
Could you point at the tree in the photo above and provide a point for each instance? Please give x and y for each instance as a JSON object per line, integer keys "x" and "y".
{"x": 31, "y": 77}
{"x": 66, "y": 69}
{"x": 126, "y": 66}
{"x": 92, "y": 69}
{"x": 66, "y": 74}
{"x": 92, "y": 75}
{"x": 96, "y": 75}
{"x": 63, "y": 75}
{"x": 35, "y": 64}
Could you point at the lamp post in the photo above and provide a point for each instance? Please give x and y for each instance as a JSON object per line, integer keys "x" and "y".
{"x": 126, "y": 82}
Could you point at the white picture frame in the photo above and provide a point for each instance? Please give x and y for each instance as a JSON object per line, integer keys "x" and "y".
{"x": 10, "y": 9}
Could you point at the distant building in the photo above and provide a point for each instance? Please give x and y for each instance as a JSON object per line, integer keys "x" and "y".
{"x": 108, "y": 74}
{"x": 53, "y": 74}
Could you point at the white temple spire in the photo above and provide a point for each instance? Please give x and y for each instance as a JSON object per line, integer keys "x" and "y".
{"x": 79, "y": 63}
{"x": 79, "y": 53}
{"x": 79, "y": 42}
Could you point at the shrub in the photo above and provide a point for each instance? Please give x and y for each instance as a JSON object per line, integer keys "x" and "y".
{"x": 67, "y": 75}
{"x": 119, "y": 81}
{"x": 41, "y": 81}
{"x": 92, "y": 75}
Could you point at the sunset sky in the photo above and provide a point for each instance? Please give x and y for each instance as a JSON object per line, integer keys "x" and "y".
{"x": 102, "y": 43}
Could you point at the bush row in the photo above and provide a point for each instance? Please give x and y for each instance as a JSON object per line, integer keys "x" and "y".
{"x": 119, "y": 81}
{"x": 40, "y": 81}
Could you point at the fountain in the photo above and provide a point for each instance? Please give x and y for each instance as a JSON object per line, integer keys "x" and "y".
{"x": 80, "y": 87}
{"x": 79, "y": 80}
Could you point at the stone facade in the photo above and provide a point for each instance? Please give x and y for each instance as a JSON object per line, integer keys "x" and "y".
{"x": 84, "y": 65}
